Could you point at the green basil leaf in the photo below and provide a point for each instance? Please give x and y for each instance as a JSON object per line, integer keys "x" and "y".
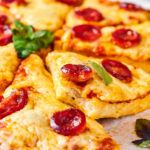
{"x": 143, "y": 143}
{"x": 39, "y": 34}
{"x": 24, "y": 53}
{"x": 19, "y": 25}
{"x": 29, "y": 30}
{"x": 26, "y": 41}
{"x": 142, "y": 128}
{"x": 101, "y": 72}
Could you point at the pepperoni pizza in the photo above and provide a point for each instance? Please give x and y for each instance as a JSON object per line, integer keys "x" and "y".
{"x": 106, "y": 12}
{"x": 34, "y": 119}
{"x": 78, "y": 84}
{"x": 130, "y": 41}
{"x": 37, "y": 12}
{"x": 34, "y": 105}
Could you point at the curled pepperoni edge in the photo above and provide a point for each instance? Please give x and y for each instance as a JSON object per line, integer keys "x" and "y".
{"x": 69, "y": 122}
{"x": 5, "y": 35}
{"x": 130, "y": 6}
{"x": 15, "y": 102}
{"x": 71, "y": 2}
{"x": 89, "y": 14}
{"x": 86, "y": 32}
{"x": 125, "y": 43}
{"x": 76, "y": 73}
{"x": 107, "y": 63}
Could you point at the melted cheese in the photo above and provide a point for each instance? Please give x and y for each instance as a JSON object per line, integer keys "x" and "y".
{"x": 29, "y": 128}
{"x": 115, "y": 15}
{"x": 111, "y": 12}
{"x": 104, "y": 45}
{"x": 42, "y": 14}
{"x": 114, "y": 94}
{"x": 9, "y": 63}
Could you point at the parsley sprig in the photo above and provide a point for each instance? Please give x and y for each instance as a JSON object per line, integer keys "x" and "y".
{"x": 26, "y": 41}
{"x": 101, "y": 72}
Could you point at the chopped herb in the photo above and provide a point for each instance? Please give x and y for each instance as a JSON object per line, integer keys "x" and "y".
{"x": 101, "y": 72}
{"x": 142, "y": 129}
{"x": 26, "y": 41}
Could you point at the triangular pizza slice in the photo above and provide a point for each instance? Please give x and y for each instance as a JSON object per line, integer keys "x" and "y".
{"x": 100, "y": 87}
{"x": 34, "y": 120}
{"x": 41, "y": 14}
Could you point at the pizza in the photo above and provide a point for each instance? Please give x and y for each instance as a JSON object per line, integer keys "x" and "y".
{"x": 129, "y": 41}
{"x": 28, "y": 11}
{"x": 33, "y": 127}
{"x": 77, "y": 84}
{"x": 115, "y": 12}
{"x": 8, "y": 66}
{"x": 65, "y": 63}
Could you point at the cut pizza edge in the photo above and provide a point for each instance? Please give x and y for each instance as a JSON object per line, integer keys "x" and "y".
{"x": 29, "y": 126}
{"x": 90, "y": 102}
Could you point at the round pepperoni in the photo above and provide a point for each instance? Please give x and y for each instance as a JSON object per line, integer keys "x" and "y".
{"x": 3, "y": 19}
{"x": 7, "y": 1}
{"x": 15, "y": 102}
{"x": 5, "y": 35}
{"x": 89, "y": 14}
{"x": 19, "y": 2}
{"x": 117, "y": 69}
{"x": 69, "y": 122}
{"x": 76, "y": 73}
{"x": 130, "y": 6}
{"x": 126, "y": 38}
{"x": 87, "y": 32}
{"x": 71, "y": 2}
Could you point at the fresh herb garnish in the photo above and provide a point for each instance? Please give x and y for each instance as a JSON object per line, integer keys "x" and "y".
{"x": 101, "y": 72}
{"x": 26, "y": 41}
{"x": 142, "y": 129}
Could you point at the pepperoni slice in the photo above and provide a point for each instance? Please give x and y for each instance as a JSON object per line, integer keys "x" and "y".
{"x": 76, "y": 73}
{"x": 7, "y": 1}
{"x": 126, "y": 38}
{"x": 130, "y": 6}
{"x": 117, "y": 69}
{"x": 19, "y": 2}
{"x": 86, "y": 32}
{"x": 5, "y": 35}
{"x": 89, "y": 14}
{"x": 69, "y": 122}
{"x": 15, "y": 102}
{"x": 3, "y": 19}
{"x": 70, "y": 2}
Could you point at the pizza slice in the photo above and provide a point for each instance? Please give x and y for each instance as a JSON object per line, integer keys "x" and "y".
{"x": 33, "y": 119}
{"x": 130, "y": 41}
{"x": 106, "y": 12}
{"x": 102, "y": 88}
{"x": 8, "y": 56}
{"x": 9, "y": 63}
{"x": 42, "y": 14}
